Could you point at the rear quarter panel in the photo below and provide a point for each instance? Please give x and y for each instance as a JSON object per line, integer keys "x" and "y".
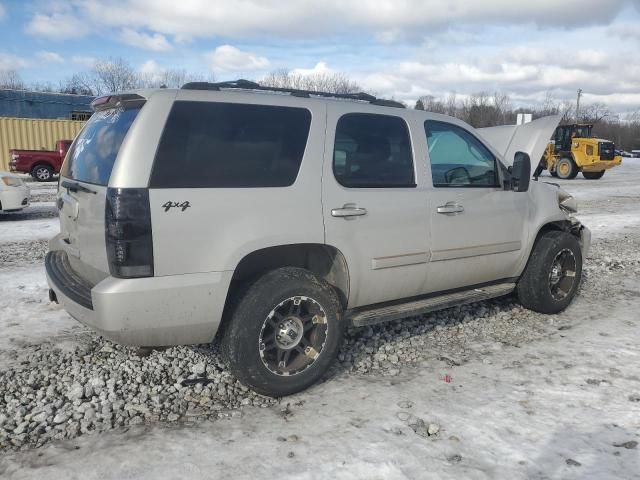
{"x": 223, "y": 225}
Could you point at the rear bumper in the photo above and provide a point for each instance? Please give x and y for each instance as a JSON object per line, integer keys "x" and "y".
{"x": 15, "y": 198}
{"x": 153, "y": 311}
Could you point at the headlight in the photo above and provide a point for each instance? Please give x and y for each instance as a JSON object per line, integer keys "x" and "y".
{"x": 567, "y": 202}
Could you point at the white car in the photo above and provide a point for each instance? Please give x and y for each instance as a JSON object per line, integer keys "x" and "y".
{"x": 14, "y": 193}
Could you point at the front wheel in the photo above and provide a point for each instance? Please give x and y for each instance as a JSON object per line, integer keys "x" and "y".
{"x": 552, "y": 276}
{"x": 566, "y": 168}
{"x": 593, "y": 175}
{"x": 284, "y": 332}
{"x": 42, "y": 173}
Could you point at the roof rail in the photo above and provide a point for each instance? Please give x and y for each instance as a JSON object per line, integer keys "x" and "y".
{"x": 249, "y": 85}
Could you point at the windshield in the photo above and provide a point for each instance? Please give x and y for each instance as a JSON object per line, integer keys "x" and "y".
{"x": 95, "y": 150}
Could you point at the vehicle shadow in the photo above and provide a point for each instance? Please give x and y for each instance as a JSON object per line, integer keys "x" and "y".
{"x": 34, "y": 212}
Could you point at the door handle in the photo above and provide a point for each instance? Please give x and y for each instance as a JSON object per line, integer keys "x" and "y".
{"x": 348, "y": 211}
{"x": 450, "y": 208}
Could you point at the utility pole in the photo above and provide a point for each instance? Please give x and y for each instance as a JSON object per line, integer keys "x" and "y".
{"x": 578, "y": 106}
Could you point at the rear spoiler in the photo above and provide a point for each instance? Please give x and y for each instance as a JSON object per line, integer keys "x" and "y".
{"x": 111, "y": 101}
{"x": 531, "y": 138}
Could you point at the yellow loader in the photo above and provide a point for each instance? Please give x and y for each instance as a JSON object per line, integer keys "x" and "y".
{"x": 572, "y": 149}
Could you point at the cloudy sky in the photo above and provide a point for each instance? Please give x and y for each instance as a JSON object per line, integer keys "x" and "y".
{"x": 399, "y": 48}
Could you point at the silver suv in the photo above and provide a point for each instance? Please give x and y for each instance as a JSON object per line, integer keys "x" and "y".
{"x": 275, "y": 218}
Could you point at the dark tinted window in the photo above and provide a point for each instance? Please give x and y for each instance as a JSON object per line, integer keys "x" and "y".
{"x": 372, "y": 151}
{"x": 207, "y": 144}
{"x": 458, "y": 159}
{"x": 95, "y": 150}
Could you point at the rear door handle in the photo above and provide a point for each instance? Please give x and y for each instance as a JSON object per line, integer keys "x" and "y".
{"x": 348, "y": 211}
{"x": 450, "y": 208}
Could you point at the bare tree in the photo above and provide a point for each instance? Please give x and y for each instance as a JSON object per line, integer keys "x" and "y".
{"x": 11, "y": 79}
{"x": 171, "y": 78}
{"x": 77, "y": 84}
{"x": 432, "y": 104}
{"x": 113, "y": 75}
{"x": 315, "y": 82}
{"x": 595, "y": 113}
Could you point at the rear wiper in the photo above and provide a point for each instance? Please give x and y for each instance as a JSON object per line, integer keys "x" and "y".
{"x": 75, "y": 187}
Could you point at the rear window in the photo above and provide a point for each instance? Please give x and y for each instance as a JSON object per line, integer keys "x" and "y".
{"x": 230, "y": 145}
{"x": 95, "y": 150}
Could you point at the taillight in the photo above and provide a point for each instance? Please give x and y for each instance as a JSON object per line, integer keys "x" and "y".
{"x": 128, "y": 232}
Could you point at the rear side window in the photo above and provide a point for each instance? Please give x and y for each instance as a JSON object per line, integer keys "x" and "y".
{"x": 230, "y": 145}
{"x": 458, "y": 159}
{"x": 95, "y": 150}
{"x": 373, "y": 151}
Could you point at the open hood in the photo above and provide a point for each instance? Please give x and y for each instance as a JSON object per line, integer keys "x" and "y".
{"x": 531, "y": 138}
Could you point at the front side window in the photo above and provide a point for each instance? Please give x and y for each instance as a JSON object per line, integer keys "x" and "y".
{"x": 458, "y": 159}
{"x": 230, "y": 145}
{"x": 373, "y": 151}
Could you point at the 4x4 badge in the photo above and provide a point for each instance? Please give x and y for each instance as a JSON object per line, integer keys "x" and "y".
{"x": 181, "y": 205}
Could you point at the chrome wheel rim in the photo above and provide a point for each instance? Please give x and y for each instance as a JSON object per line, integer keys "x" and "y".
{"x": 42, "y": 174}
{"x": 293, "y": 336}
{"x": 562, "y": 275}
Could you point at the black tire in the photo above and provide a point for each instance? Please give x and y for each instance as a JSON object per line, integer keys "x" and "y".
{"x": 566, "y": 168}
{"x": 536, "y": 290}
{"x": 593, "y": 175}
{"x": 42, "y": 173}
{"x": 255, "y": 359}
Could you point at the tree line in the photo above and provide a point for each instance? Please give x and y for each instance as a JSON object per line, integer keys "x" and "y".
{"x": 481, "y": 109}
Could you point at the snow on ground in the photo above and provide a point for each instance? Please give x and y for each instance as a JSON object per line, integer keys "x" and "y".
{"x": 564, "y": 403}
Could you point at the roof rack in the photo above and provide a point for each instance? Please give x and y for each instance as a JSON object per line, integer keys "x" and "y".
{"x": 249, "y": 85}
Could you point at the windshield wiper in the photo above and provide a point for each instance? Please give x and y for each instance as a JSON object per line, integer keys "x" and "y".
{"x": 75, "y": 187}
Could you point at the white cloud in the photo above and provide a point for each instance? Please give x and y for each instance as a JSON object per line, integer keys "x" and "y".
{"x": 57, "y": 25}
{"x": 85, "y": 61}
{"x": 231, "y": 59}
{"x": 155, "y": 42}
{"x": 151, "y": 70}
{"x": 49, "y": 57}
{"x": 2, "y": 11}
{"x": 386, "y": 19}
{"x": 12, "y": 62}
{"x": 321, "y": 68}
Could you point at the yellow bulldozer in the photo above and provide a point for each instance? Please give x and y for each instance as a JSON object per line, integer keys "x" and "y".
{"x": 573, "y": 149}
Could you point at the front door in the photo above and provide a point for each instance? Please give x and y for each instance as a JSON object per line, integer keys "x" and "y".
{"x": 375, "y": 211}
{"x": 477, "y": 227}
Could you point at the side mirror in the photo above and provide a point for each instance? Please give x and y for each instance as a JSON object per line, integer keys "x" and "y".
{"x": 520, "y": 172}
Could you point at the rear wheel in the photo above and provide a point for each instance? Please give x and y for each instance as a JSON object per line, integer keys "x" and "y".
{"x": 593, "y": 175}
{"x": 552, "y": 276}
{"x": 566, "y": 168}
{"x": 284, "y": 332}
{"x": 42, "y": 173}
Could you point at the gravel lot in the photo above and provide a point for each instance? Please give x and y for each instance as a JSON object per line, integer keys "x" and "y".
{"x": 51, "y": 393}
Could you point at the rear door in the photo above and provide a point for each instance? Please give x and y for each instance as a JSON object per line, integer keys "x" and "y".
{"x": 83, "y": 186}
{"x": 477, "y": 226}
{"x": 375, "y": 211}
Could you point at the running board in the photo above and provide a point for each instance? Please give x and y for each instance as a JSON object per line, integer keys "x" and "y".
{"x": 371, "y": 316}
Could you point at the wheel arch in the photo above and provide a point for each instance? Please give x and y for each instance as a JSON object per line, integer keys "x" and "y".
{"x": 554, "y": 225}
{"x": 40, "y": 162}
{"x": 325, "y": 261}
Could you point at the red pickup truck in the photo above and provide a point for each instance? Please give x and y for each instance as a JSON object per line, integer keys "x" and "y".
{"x": 41, "y": 164}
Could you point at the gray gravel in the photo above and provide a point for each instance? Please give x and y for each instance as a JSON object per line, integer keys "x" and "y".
{"x": 16, "y": 254}
{"x": 51, "y": 394}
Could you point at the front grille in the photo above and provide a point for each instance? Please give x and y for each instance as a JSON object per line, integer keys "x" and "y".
{"x": 606, "y": 150}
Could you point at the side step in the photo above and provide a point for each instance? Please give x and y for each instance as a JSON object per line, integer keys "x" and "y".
{"x": 371, "y": 316}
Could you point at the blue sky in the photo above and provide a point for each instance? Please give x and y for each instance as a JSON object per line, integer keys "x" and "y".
{"x": 396, "y": 48}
